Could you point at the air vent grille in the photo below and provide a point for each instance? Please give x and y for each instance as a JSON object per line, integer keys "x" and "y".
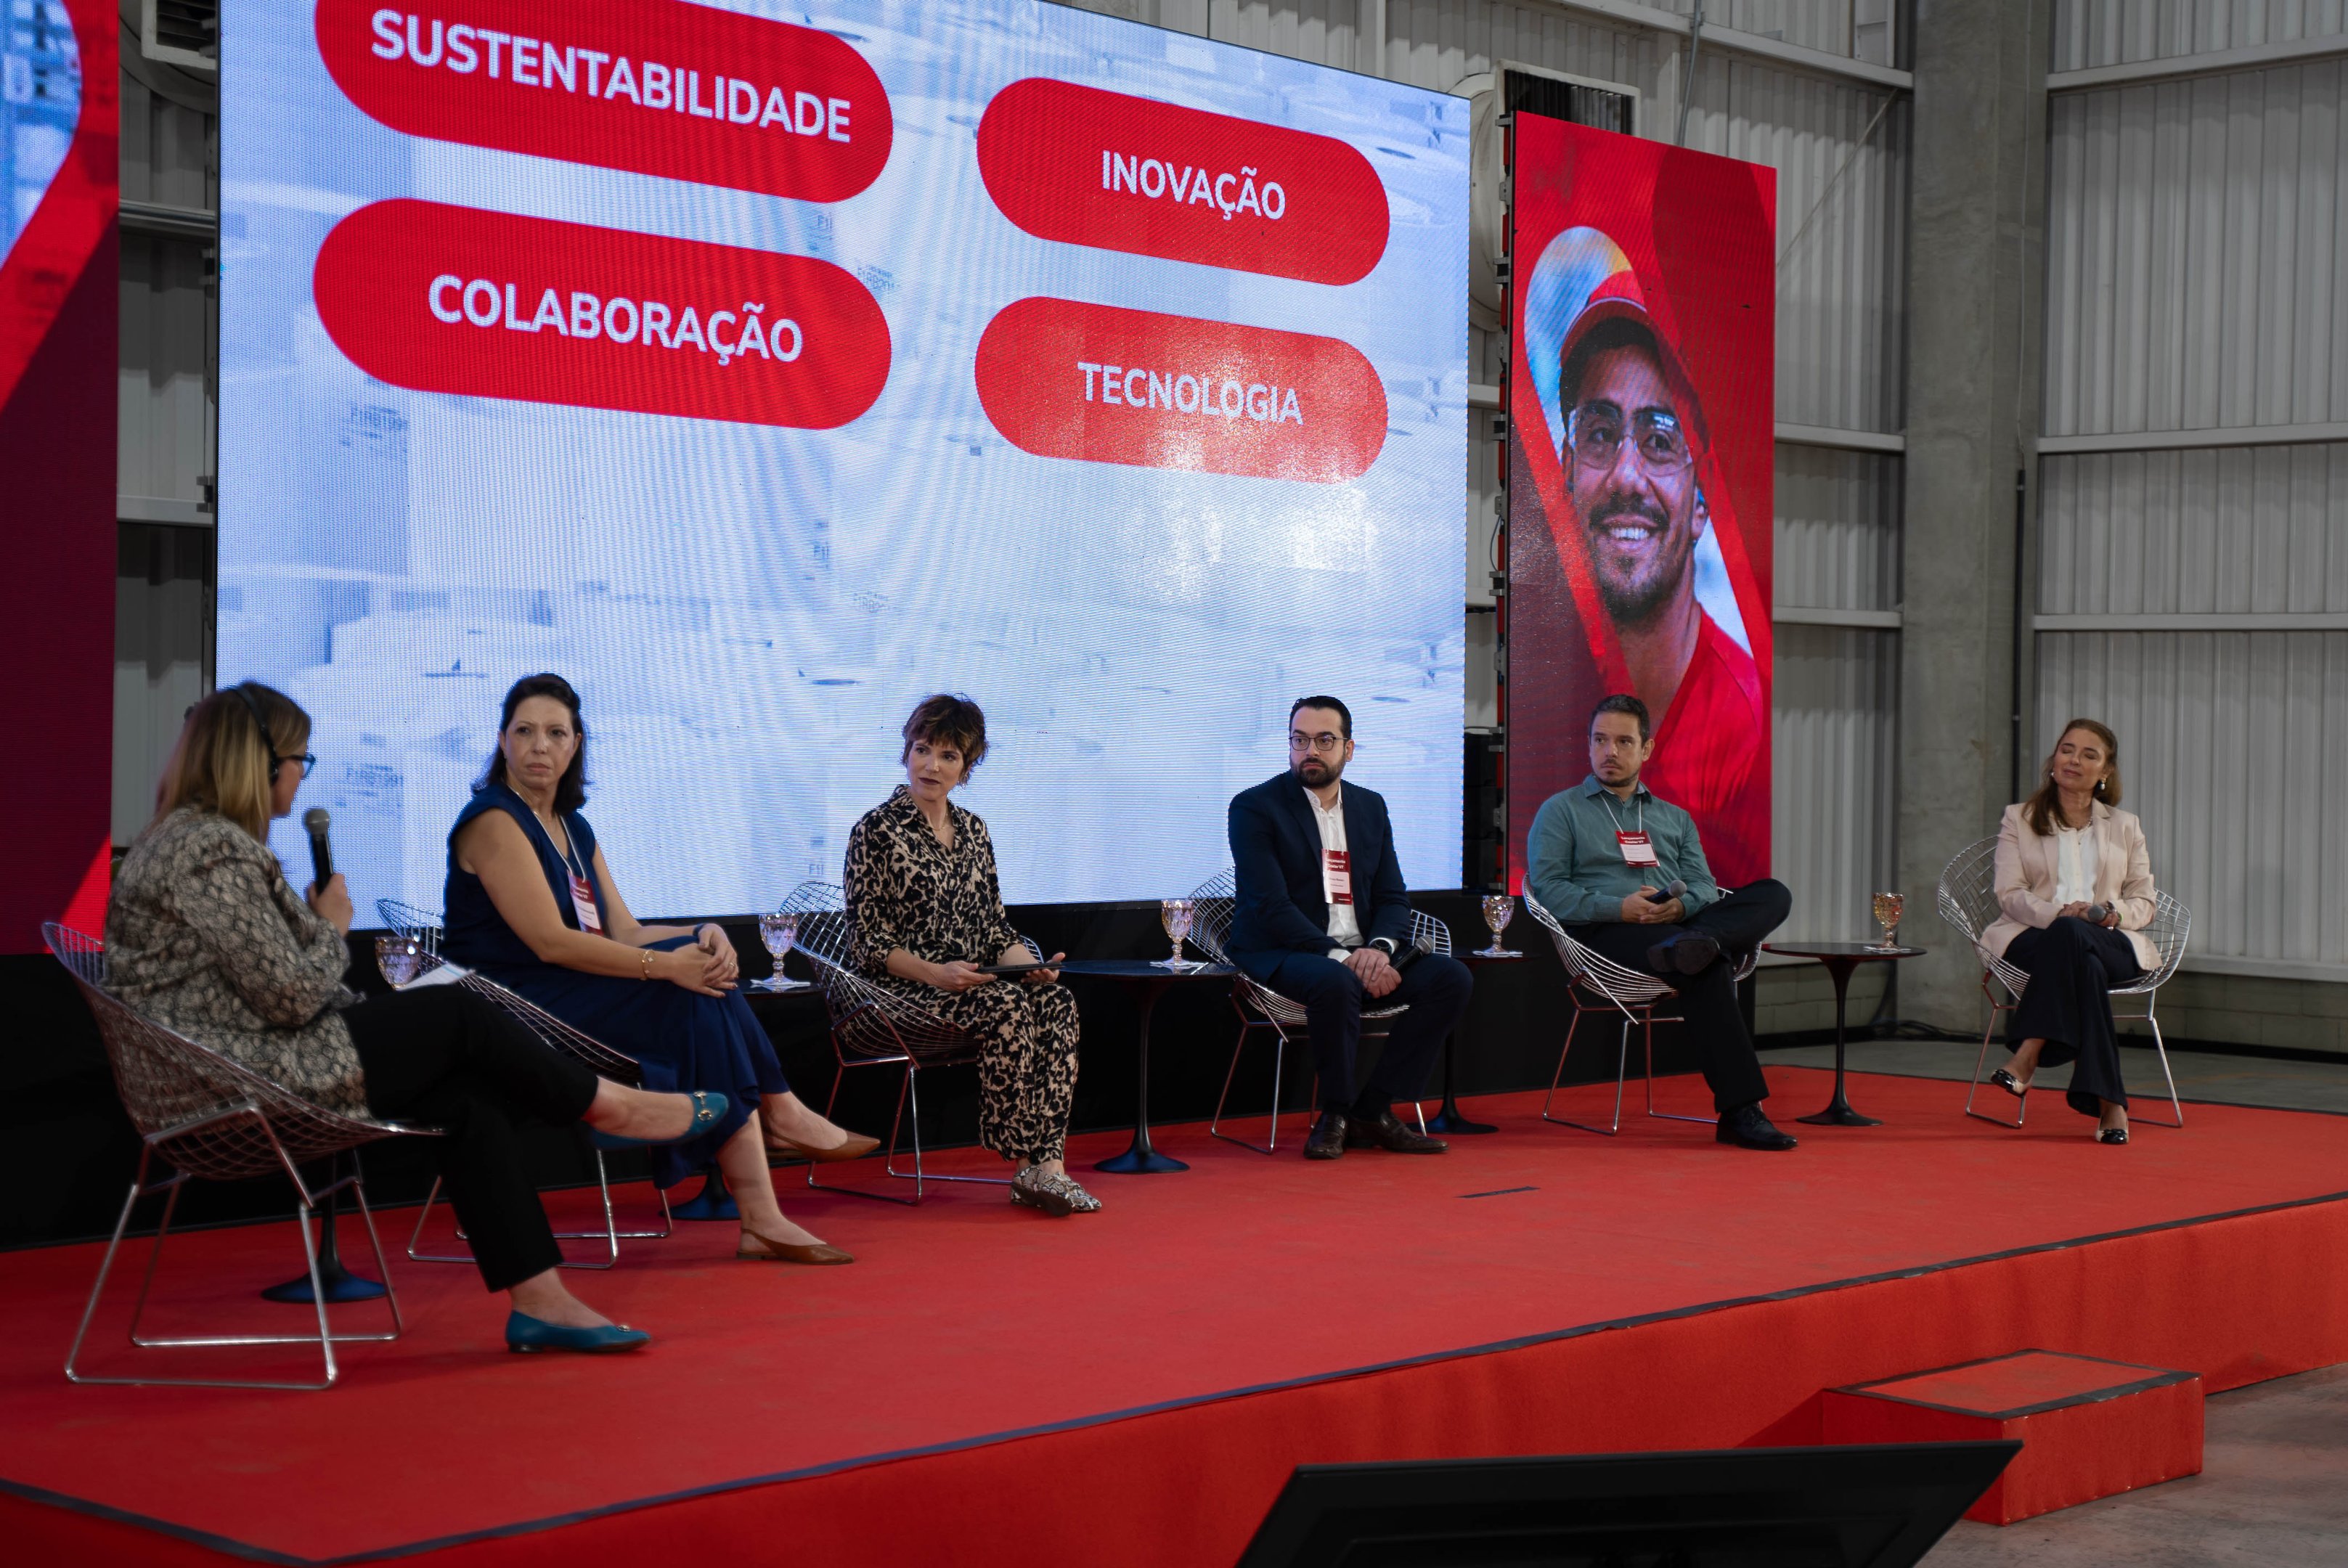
{"x": 183, "y": 33}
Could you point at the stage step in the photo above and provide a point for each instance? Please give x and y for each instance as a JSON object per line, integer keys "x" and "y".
{"x": 2089, "y": 1428}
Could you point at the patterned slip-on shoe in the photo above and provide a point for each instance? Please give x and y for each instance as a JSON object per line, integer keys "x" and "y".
{"x": 1032, "y": 1189}
{"x": 1079, "y": 1201}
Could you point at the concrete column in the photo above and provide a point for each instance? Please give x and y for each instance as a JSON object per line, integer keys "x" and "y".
{"x": 1975, "y": 248}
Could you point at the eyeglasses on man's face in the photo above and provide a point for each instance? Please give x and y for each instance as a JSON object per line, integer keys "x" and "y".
{"x": 1324, "y": 743}
{"x": 1597, "y": 431}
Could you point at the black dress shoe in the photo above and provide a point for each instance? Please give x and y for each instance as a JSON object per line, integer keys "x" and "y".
{"x": 2111, "y": 1134}
{"x": 1390, "y": 1132}
{"x": 2009, "y": 1082}
{"x": 1328, "y": 1139}
{"x": 1747, "y": 1129}
{"x": 1689, "y": 953}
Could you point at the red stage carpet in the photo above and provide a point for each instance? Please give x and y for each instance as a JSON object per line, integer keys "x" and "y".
{"x": 986, "y": 1387}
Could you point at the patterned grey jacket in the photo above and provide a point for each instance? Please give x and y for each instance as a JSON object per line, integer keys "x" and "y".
{"x": 204, "y": 936}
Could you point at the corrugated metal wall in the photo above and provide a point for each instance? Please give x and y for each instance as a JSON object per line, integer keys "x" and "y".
{"x": 2197, "y": 257}
{"x": 166, "y": 402}
{"x": 2257, "y": 530}
{"x": 2089, "y": 32}
{"x": 2198, "y": 282}
{"x": 2232, "y": 747}
{"x": 1822, "y": 24}
{"x": 1836, "y": 694}
{"x": 1832, "y": 816}
{"x": 1837, "y": 529}
{"x": 165, "y": 441}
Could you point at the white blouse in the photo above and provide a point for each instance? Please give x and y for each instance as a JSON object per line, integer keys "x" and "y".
{"x": 2075, "y": 864}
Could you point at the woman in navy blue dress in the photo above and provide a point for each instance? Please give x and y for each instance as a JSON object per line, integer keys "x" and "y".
{"x": 532, "y": 905}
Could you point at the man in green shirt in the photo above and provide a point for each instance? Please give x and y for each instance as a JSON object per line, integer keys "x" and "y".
{"x": 1624, "y": 874}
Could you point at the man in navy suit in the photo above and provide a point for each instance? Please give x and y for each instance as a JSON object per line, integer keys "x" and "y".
{"x": 1322, "y": 916}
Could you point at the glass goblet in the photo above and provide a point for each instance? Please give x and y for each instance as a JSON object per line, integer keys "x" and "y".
{"x": 1174, "y": 914}
{"x": 1889, "y": 907}
{"x": 401, "y": 959}
{"x": 1499, "y": 908}
{"x": 778, "y": 932}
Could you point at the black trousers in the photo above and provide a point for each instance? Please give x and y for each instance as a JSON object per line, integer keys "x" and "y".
{"x": 1739, "y": 922}
{"x": 2073, "y": 966}
{"x": 446, "y": 1056}
{"x": 1433, "y": 986}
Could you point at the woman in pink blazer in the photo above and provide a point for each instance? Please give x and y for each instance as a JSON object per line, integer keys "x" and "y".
{"x": 2076, "y": 885}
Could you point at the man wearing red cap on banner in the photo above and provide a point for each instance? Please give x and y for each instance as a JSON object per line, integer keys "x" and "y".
{"x": 1633, "y": 452}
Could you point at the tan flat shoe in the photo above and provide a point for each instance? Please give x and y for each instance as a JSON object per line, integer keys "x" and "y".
{"x": 856, "y": 1148}
{"x": 756, "y": 1248}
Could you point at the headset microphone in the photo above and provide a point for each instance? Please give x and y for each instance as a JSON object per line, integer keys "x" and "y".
{"x": 322, "y": 856}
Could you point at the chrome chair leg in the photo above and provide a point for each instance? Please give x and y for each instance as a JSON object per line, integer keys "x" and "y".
{"x": 610, "y": 1234}
{"x": 1622, "y": 1074}
{"x": 2022, "y": 1107}
{"x": 1279, "y": 1061}
{"x": 325, "y": 1339}
{"x": 1665, "y": 1115}
{"x": 2160, "y": 1050}
{"x": 106, "y": 1265}
{"x": 896, "y": 1131}
{"x": 431, "y": 1196}
{"x": 917, "y": 1175}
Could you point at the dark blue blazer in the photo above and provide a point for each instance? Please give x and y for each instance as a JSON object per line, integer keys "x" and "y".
{"x": 1276, "y": 854}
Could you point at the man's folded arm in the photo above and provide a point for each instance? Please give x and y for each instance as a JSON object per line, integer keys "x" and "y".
{"x": 1696, "y": 872}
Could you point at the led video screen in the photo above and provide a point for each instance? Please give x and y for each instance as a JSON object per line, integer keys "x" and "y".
{"x": 1641, "y": 439}
{"x": 764, "y": 369}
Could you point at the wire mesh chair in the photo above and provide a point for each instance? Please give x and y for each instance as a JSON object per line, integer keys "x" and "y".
{"x": 1598, "y": 984}
{"x": 422, "y": 927}
{"x": 872, "y": 1026}
{"x": 1968, "y": 901}
{"x": 212, "y": 1119}
{"x": 1261, "y": 1008}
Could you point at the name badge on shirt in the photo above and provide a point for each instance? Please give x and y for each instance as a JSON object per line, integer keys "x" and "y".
{"x": 583, "y": 901}
{"x": 1337, "y": 876}
{"x": 1636, "y": 849}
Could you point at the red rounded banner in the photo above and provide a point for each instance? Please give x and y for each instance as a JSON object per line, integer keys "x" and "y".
{"x": 652, "y": 87}
{"x": 484, "y": 304}
{"x": 1105, "y": 385}
{"x": 1083, "y": 167}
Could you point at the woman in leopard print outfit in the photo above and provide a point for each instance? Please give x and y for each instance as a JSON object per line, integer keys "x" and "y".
{"x": 927, "y": 911}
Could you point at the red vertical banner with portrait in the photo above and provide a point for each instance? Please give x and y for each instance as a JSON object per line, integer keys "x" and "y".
{"x": 1641, "y": 433}
{"x": 60, "y": 300}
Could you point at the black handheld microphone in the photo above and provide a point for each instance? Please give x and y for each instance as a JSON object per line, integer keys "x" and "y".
{"x": 1661, "y": 895}
{"x": 322, "y": 855}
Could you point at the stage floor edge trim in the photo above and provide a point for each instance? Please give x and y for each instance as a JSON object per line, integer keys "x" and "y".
{"x": 251, "y": 1552}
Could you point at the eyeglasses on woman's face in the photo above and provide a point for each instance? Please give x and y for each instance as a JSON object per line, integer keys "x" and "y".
{"x": 308, "y": 760}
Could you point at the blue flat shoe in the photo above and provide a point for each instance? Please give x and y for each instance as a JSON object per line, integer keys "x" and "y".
{"x": 525, "y": 1333}
{"x": 709, "y": 1108}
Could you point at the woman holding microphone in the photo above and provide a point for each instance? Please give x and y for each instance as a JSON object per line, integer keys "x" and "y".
{"x": 204, "y": 936}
